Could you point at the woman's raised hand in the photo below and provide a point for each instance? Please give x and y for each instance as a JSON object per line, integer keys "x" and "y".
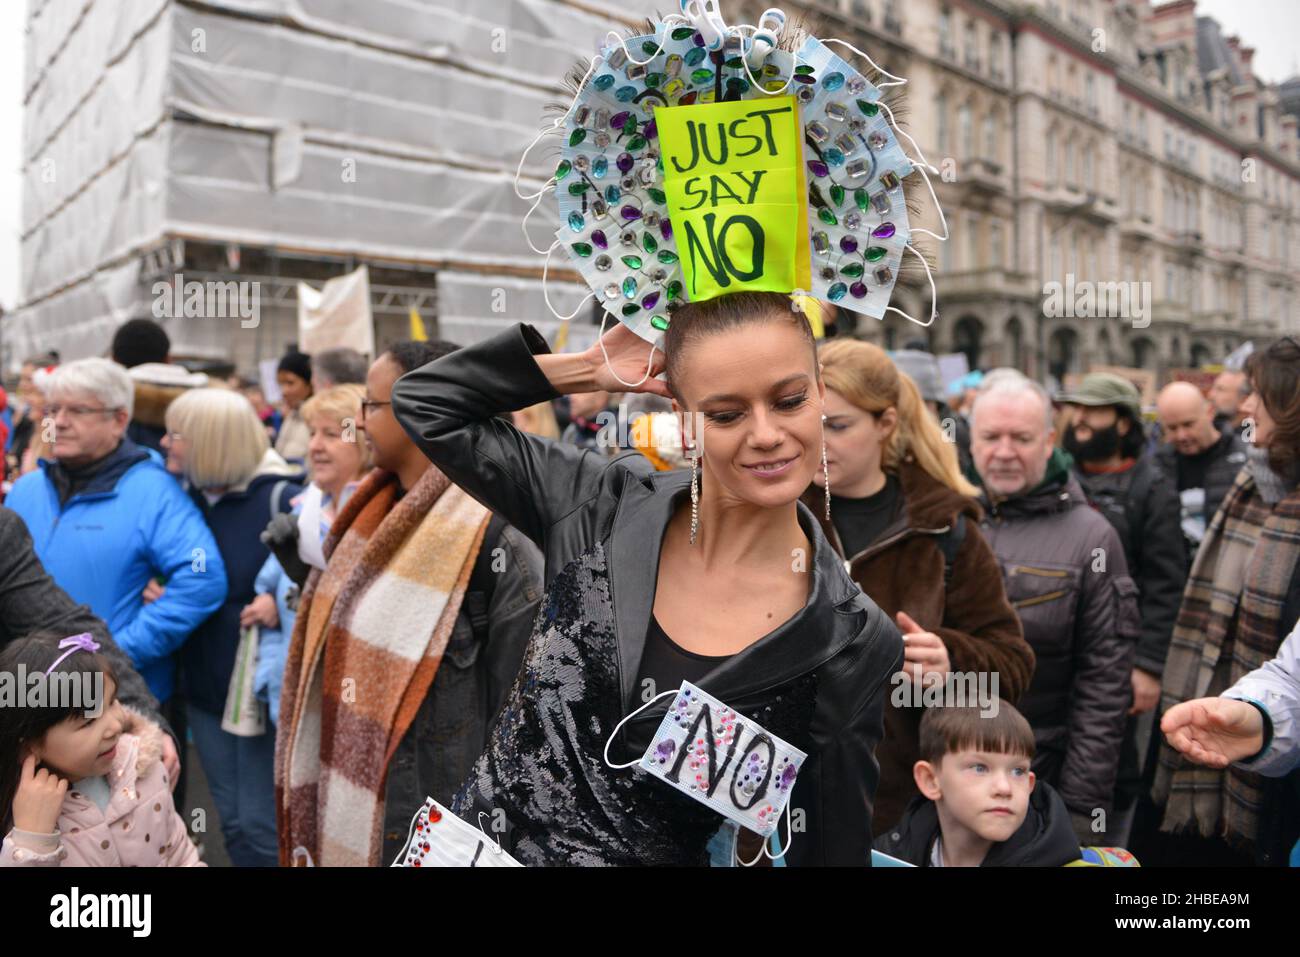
{"x": 628, "y": 356}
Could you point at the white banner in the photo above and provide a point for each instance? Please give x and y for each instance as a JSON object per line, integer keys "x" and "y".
{"x": 338, "y": 315}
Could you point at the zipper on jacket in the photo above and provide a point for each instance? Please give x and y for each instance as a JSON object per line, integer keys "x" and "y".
{"x": 880, "y": 546}
{"x": 1039, "y": 599}
{"x": 1030, "y": 570}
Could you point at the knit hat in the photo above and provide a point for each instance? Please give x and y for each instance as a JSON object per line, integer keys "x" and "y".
{"x": 1105, "y": 388}
{"x": 299, "y": 363}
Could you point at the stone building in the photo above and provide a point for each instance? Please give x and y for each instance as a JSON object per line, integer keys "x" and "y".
{"x": 1092, "y": 144}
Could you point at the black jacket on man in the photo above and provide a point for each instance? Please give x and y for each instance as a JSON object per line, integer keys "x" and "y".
{"x": 819, "y": 681}
{"x": 1143, "y": 506}
{"x": 1222, "y": 461}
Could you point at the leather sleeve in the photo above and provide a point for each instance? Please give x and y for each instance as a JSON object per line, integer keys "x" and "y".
{"x": 837, "y": 785}
{"x": 449, "y": 408}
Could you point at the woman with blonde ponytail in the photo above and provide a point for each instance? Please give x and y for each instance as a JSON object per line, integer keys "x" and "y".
{"x": 904, "y": 518}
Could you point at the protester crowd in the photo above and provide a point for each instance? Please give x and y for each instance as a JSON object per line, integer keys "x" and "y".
{"x": 427, "y": 575}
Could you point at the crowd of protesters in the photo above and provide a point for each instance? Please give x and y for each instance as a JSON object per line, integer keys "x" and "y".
{"x": 427, "y": 575}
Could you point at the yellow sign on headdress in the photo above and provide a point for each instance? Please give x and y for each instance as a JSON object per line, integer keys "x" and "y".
{"x": 733, "y": 176}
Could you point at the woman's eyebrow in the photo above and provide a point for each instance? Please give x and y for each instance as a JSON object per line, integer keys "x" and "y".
{"x": 728, "y": 397}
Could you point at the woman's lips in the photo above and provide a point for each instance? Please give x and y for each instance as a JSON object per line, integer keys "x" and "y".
{"x": 110, "y": 752}
{"x": 768, "y": 470}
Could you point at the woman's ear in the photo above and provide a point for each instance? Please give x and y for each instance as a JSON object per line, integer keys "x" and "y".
{"x": 888, "y": 420}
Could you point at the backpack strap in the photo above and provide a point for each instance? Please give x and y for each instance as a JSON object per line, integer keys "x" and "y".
{"x": 950, "y": 544}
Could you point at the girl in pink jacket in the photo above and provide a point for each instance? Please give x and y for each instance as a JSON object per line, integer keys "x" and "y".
{"x": 82, "y": 781}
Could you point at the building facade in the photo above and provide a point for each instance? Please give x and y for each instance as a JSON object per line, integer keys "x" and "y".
{"x": 1118, "y": 185}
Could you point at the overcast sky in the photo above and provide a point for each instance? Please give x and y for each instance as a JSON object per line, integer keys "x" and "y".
{"x": 1272, "y": 27}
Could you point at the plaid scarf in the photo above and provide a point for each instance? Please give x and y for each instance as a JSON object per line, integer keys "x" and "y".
{"x": 1228, "y": 625}
{"x": 370, "y": 634}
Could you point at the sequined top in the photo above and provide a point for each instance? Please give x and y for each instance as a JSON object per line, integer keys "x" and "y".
{"x": 818, "y": 681}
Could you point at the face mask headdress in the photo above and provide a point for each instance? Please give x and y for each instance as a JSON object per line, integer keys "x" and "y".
{"x": 704, "y": 159}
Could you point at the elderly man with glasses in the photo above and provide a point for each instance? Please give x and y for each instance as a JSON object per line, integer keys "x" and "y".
{"x": 107, "y": 519}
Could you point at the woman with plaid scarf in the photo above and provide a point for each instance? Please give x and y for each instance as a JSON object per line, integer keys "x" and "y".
{"x": 1241, "y": 601}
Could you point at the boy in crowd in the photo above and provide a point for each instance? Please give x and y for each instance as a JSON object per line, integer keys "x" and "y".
{"x": 979, "y": 805}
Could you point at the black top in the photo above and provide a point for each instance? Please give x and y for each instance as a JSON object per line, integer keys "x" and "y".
{"x": 860, "y": 521}
{"x": 665, "y": 664}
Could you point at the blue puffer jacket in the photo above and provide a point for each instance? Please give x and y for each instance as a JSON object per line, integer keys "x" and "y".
{"x": 131, "y": 523}
{"x": 236, "y": 519}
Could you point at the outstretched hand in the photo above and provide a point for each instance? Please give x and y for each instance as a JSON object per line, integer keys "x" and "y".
{"x": 1214, "y": 731}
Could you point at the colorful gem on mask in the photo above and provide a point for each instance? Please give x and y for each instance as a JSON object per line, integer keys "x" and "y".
{"x": 632, "y": 262}
{"x": 624, "y": 162}
{"x": 817, "y": 132}
{"x": 860, "y": 197}
{"x": 875, "y": 253}
{"x": 612, "y": 290}
{"x": 562, "y": 170}
{"x": 846, "y": 142}
{"x": 837, "y": 112}
{"x": 852, "y": 221}
{"x": 833, "y": 156}
{"x": 819, "y": 169}
{"x": 868, "y": 109}
{"x": 577, "y": 136}
{"x": 858, "y": 289}
{"x": 853, "y": 270}
{"x": 884, "y": 276}
{"x": 599, "y": 167}
{"x": 826, "y": 216}
{"x": 625, "y": 94}
{"x": 631, "y": 309}
{"x": 665, "y": 750}
{"x": 575, "y": 221}
{"x": 877, "y": 140}
{"x": 667, "y": 257}
{"x": 856, "y": 85}
{"x": 604, "y": 81}
{"x": 603, "y": 263}
{"x": 889, "y": 180}
{"x": 883, "y": 231}
{"x": 837, "y": 292}
{"x": 582, "y": 249}
{"x": 880, "y": 203}
{"x": 832, "y": 82}
{"x": 837, "y": 194}
{"x": 630, "y": 213}
{"x": 612, "y": 194}
{"x": 598, "y": 237}
{"x": 848, "y": 244}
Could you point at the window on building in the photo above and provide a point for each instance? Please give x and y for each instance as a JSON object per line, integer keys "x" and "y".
{"x": 991, "y": 136}
{"x": 972, "y": 45}
{"x": 995, "y": 244}
{"x": 1052, "y": 147}
{"x": 995, "y": 54}
{"x": 1071, "y": 149}
{"x": 1090, "y": 92}
{"x": 945, "y": 32}
{"x": 966, "y": 132}
{"x": 941, "y": 122}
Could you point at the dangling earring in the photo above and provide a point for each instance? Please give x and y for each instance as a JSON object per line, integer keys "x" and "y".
{"x": 826, "y": 472}
{"x": 695, "y": 494}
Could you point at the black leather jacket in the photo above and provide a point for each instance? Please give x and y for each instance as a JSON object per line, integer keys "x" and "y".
{"x": 819, "y": 680}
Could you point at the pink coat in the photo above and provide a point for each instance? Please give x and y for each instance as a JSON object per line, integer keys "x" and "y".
{"x": 140, "y": 827}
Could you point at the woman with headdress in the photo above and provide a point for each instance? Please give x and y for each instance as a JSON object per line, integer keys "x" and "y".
{"x": 714, "y": 585}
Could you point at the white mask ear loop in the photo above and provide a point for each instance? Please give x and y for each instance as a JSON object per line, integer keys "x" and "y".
{"x": 547, "y": 296}
{"x": 496, "y": 842}
{"x": 942, "y": 218}
{"x": 764, "y": 851}
{"x": 650, "y": 363}
{"x": 934, "y": 294}
{"x": 612, "y": 734}
{"x": 899, "y": 81}
{"x": 532, "y": 209}
{"x": 303, "y": 853}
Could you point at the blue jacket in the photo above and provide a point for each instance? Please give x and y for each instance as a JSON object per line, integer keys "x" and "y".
{"x": 236, "y": 520}
{"x": 131, "y": 523}
{"x": 273, "y": 643}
